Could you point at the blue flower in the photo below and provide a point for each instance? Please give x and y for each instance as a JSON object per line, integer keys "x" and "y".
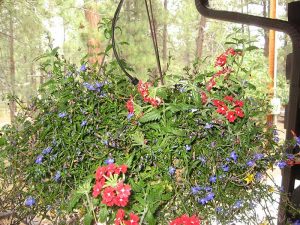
{"x": 258, "y": 156}
{"x": 83, "y": 123}
{"x": 213, "y": 179}
{"x": 89, "y": 86}
{"x": 208, "y": 126}
{"x": 258, "y": 176}
{"x": 202, "y": 160}
{"x": 281, "y": 164}
{"x": 109, "y": 161}
{"x": 250, "y": 163}
{"x": 276, "y": 139}
{"x": 195, "y": 190}
{"x": 39, "y": 159}
{"x": 290, "y": 156}
{"x": 30, "y": 201}
{"x": 297, "y": 222}
{"x": 225, "y": 168}
{"x": 238, "y": 204}
{"x": 172, "y": 170}
{"x": 57, "y": 176}
{"x": 62, "y": 114}
{"x": 210, "y": 196}
{"x": 83, "y": 68}
{"x": 188, "y": 148}
{"x": 275, "y": 132}
{"x": 105, "y": 142}
{"x": 234, "y": 156}
{"x": 202, "y": 201}
{"x": 130, "y": 115}
{"x": 208, "y": 189}
{"x": 47, "y": 150}
{"x": 297, "y": 140}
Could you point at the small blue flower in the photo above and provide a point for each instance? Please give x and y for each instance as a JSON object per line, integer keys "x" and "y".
{"x": 83, "y": 68}
{"x": 130, "y": 115}
{"x": 298, "y": 140}
{"x": 290, "y": 156}
{"x": 208, "y": 189}
{"x": 225, "y": 168}
{"x": 62, "y": 114}
{"x": 172, "y": 170}
{"x": 276, "y": 139}
{"x": 188, "y": 148}
{"x": 30, "y": 201}
{"x": 258, "y": 176}
{"x": 39, "y": 159}
{"x": 195, "y": 190}
{"x": 219, "y": 209}
{"x": 47, "y": 150}
{"x": 213, "y": 179}
{"x": 99, "y": 85}
{"x": 202, "y": 201}
{"x": 89, "y": 86}
{"x": 275, "y": 132}
{"x": 234, "y": 156}
{"x": 250, "y": 163}
{"x": 238, "y": 204}
{"x": 281, "y": 164}
{"x": 210, "y": 196}
{"x": 297, "y": 222}
{"x": 258, "y": 156}
{"x": 57, "y": 176}
{"x": 105, "y": 142}
{"x": 83, "y": 123}
{"x": 109, "y": 161}
{"x": 208, "y": 126}
{"x": 202, "y": 160}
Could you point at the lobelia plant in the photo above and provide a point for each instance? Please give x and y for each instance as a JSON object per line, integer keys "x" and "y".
{"x": 196, "y": 149}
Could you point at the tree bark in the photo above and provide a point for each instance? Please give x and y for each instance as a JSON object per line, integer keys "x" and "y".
{"x": 94, "y": 45}
{"x": 200, "y": 39}
{"x": 165, "y": 35}
{"x": 12, "y": 103}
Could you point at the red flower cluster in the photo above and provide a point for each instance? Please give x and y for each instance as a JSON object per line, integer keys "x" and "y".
{"x": 185, "y": 220}
{"x": 111, "y": 195}
{"x": 133, "y": 219}
{"x": 212, "y": 82}
{"x": 129, "y": 105}
{"x": 143, "y": 89}
{"x": 222, "y": 59}
{"x": 231, "y": 115}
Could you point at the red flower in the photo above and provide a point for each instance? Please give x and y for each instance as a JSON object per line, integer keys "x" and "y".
{"x": 129, "y": 105}
{"x": 230, "y": 51}
{"x": 123, "y": 190}
{"x": 231, "y": 116}
{"x": 218, "y": 103}
{"x": 222, "y": 109}
{"x": 238, "y": 103}
{"x": 121, "y": 201}
{"x": 210, "y": 84}
{"x": 239, "y": 112}
{"x": 119, "y": 217}
{"x": 121, "y": 169}
{"x": 221, "y": 60}
{"x": 100, "y": 172}
{"x": 97, "y": 188}
{"x": 185, "y": 220}
{"x": 229, "y": 98}
{"x": 143, "y": 88}
{"x": 203, "y": 97}
{"x": 108, "y": 196}
{"x": 111, "y": 169}
{"x": 133, "y": 220}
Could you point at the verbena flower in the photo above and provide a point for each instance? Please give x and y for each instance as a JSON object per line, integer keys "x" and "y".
{"x": 258, "y": 156}
{"x": 62, "y": 114}
{"x": 130, "y": 115}
{"x": 258, "y": 176}
{"x": 39, "y": 159}
{"x": 276, "y": 139}
{"x": 195, "y": 190}
{"x": 213, "y": 179}
{"x": 172, "y": 170}
{"x": 290, "y": 156}
{"x": 83, "y": 68}
{"x": 30, "y": 201}
{"x": 89, "y": 86}
{"x": 202, "y": 160}
{"x": 238, "y": 204}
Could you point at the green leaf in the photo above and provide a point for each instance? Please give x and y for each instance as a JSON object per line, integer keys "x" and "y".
{"x": 103, "y": 214}
{"x": 73, "y": 201}
{"x": 154, "y": 114}
{"x": 251, "y": 48}
{"x": 138, "y": 138}
{"x": 88, "y": 219}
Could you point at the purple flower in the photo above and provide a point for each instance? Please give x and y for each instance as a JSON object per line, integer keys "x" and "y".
{"x": 130, "y": 115}
{"x": 238, "y": 204}
{"x": 83, "y": 123}
{"x": 297, "y": 222}
{"x": 202, "y": 201}
{"x": 258, "y": 176}
{"x": 213, "y": 144}
{"x": 281, "y": 164}
{"x": 258, "y": 156}
{"x": 290, "y": 156}
{"x": 47, "y": 150}
{"x": 297, "y": 140}
{"x": 250, "y": 163}
{"x": 213, "y": 179}
{"x": 234, "y": 156}
{"x": 208, "y": 189}
{"x": 30, "y": 201}
{"x": 89, "y": 86}
{"x": 188, "y": 148}
{"x": 275, "y": 132}
{"x": 83, "y": 68}
{"x": 172, "y": 170}
{"x": 225, "y": 168}
{"x": 99, "y": 85}
{"x": 195, "y": 190}
{"x": 57, "y": 176}
{"x": 62, "y": 114}
{"x": 202, "y": 160}
{"x": 39, "y": 159}
{"x": 210, "y": 196}
{"x": 208, "y": 126}
{"x": 109, "y": 161}
{"x": 276, "y": 139}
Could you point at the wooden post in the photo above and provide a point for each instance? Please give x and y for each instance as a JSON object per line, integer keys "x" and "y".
{"x": 272, "y": 40}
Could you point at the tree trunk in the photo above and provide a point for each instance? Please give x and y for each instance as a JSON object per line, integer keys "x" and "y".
{"x": 165, "y": 35}
{"x": 266, "y": 31}
{"x": 93, "y": 18}
{"x": 12, "y": 103}
{"x": 200, "y": 39}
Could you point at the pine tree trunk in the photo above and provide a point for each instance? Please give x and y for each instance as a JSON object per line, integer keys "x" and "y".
{"x": 165, "y": 36}
{"x": 266, "y": 31}
{"x": 12, "y": 103}
{"x": 200, "y": 39}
